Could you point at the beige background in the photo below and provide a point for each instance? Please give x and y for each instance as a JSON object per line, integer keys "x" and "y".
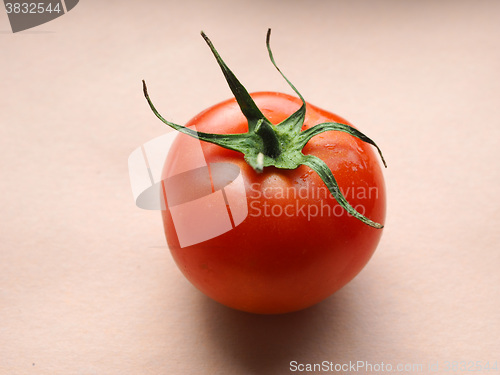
{"x": 87, "y": 285}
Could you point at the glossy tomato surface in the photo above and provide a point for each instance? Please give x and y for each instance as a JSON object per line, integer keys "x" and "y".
{"x": 297, "y": 246}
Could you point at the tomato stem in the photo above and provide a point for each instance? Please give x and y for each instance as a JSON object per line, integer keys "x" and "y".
{"x": 280, "y": 146}
{"x": 269, "y": 139}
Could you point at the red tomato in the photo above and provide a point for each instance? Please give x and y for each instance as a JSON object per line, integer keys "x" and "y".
{"x": 297, "y": 245}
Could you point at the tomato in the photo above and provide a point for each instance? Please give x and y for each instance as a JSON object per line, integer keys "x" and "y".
{"x": 283, "y": 261}
{"x": 299, "y": 242}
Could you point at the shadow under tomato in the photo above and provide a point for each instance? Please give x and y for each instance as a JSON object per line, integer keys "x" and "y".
{"x": 266, "y": 344}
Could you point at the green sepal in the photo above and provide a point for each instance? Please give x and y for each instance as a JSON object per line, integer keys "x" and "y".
{"x": 320, "y": 167}
{"x": 293, "y": 124}
{"x": 245, "y": 101}
{"x": 236, "y": 142}
{"x": 307, "y": 134}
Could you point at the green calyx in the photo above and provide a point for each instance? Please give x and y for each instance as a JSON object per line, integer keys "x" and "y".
{"x": 279, "y": 145}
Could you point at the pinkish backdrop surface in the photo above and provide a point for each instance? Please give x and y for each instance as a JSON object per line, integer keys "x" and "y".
{"x": 87, "y": 284}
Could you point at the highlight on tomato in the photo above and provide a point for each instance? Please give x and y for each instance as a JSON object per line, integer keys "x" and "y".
{"x": 293, "y": 194}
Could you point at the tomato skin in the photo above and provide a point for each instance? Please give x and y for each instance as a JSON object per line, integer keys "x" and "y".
{"x": 272, "y": 264}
